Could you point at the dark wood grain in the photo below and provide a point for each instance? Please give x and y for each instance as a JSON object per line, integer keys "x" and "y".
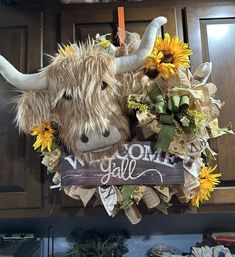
{"x": 20, "y": 185}
{"x": 77, "y": 25}
{"x": 211, "y": 33}
{"x": 58, "y": 24}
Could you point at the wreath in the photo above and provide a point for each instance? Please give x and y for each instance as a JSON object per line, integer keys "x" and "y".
{"x": 85, "y": 96}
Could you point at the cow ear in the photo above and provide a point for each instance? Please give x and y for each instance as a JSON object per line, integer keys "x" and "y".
{"x": 33, "y": 108}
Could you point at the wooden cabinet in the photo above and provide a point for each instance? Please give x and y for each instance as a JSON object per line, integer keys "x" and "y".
{"x": 76, "y": 25}
{"x": 20, "y": 170}
{"x": 211, "y": 34}
{"x": 27, "y": 34}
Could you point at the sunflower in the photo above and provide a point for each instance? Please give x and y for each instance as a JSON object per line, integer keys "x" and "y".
{"x": 168, "y": 55}
{"x": 44, "y": 136}
{"x": 207, "y": 183}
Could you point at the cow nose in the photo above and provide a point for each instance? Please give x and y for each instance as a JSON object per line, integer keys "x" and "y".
{"x": 95, "y": 141}
{"x": 106, "y": 133}
{"x": 84, "y": 138}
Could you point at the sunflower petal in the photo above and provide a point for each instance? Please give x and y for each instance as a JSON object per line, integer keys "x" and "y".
{"x": 175, "y": 48}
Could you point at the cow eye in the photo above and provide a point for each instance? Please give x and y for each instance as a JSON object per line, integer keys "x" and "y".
{"x": 104, "y": 85}
{"x": 67, "y": 96}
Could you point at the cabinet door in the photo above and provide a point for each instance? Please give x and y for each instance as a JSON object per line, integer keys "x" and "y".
{"x": 20, "y": 183}
{"x": 211, "y": 34}
{"x": 76, "y": 25}
{"x": 79, "y": 24}
{"x": 138, "y": 18}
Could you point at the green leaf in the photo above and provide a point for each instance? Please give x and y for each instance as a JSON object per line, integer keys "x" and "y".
{"x": 163, "y": 207}
{"x": 128, "y": 191}
{"x": 209, "y": 155}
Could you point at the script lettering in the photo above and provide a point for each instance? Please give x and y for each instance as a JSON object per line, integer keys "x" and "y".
{"x": 124, "y": 171}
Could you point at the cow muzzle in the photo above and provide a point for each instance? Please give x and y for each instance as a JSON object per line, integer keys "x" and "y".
{"x": 94, "y": 141}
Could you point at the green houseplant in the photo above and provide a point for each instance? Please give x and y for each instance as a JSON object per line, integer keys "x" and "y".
{"x": 91, "y": 243}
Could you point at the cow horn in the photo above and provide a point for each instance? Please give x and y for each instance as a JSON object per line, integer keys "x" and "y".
{"x": 135, "y": 61}
{"x": 22, "y": 81}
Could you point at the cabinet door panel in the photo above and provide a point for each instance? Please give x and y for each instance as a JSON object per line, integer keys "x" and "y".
{"x": 77, "y": 25}
{"x": 138, "y": 18}
{"x": 211, "y": 33}
{"x": 83, "y": 30}
{"x": 20, "y": 184}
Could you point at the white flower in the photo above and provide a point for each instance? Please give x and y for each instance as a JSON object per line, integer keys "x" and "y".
{"x": 185, "y": 121}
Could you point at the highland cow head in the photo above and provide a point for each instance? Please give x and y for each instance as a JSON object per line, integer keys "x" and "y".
{"x": 82, "y": 90}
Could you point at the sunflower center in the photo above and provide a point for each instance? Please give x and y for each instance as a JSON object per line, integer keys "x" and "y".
{"x": 167, "y": 57}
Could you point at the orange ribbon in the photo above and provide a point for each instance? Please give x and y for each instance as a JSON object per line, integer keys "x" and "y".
{"x": 121, "y": 25}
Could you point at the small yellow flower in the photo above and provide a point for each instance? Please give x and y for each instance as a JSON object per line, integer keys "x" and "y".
{"x": 44, "y": 136}
{"x": 66, "y": 50}
{"x": 105, "y": 43}
{"x": 134, "y": 104}
{"x": 198, "y": 117}
{"x": 168, "y": 55}
{"x": 208, "y": 182}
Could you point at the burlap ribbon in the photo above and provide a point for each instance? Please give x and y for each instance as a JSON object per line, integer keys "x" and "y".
{"x": 168, "y": 109}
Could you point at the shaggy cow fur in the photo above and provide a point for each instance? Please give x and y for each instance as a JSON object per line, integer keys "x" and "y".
{"x": 83, "y": 94}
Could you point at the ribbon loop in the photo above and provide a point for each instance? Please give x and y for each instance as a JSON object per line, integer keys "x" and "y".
{"x": 175, "y": 103}
{"x": 167, "y": 109}
{"x": 155, "y": 94}
{"x": 184, "y": 102}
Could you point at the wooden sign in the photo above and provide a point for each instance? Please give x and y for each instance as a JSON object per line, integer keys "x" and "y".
{"x": 137, "y": 164}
